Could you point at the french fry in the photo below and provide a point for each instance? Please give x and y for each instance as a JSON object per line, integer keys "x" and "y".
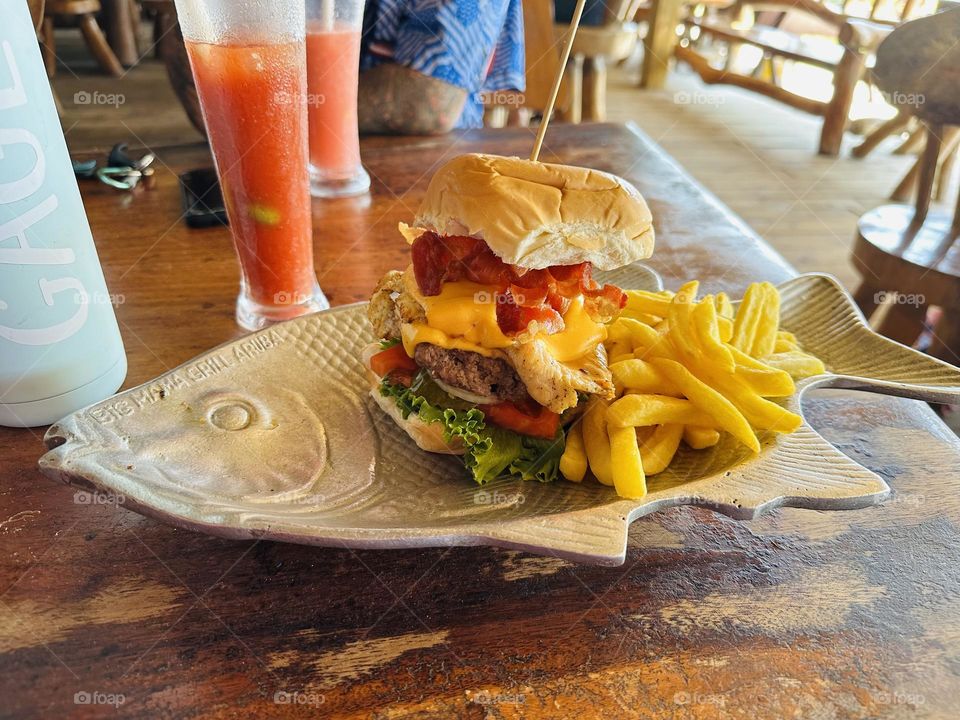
{"x": 765, "y": 338}
{"x": 708, "y": 333}
{"x": 640, "y": 375}
{"x": 573, "y": 462}
{"x": 697, "y": 437}
{"x": 658, "y": 450}
{"x": 761, "y": 413}
{"x": 724, "y": 413}
{"x": 785, "y": 342}
{"x": 637, "y": 333}
{"x": 651, "y": 303}
{"x": 596, "y": 442}
{"x": 628, "y": 470}
{"x": 618, "y": 332}
{"x": 633, "y": 410}
{"x": 725, "y": 327}
{"x": 680, "y": 320}
{"x": 645, "y": 318}
{"x": 797, "y": 364}
{"x": 623, "y": 357}
{"x": 763, "y": 379}
{"x": 685, "y": 370}
{"x": 724, "y": 306}
{"x": 767, "y": 383}
{"x": 747, "y": 318}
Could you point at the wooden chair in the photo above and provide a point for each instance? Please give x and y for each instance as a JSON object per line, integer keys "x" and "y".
{"x": 83, "y": 13}
{"x": 852, "y": 42}
{"x": 908, "y": 256}
{"x": 594, "y": 47}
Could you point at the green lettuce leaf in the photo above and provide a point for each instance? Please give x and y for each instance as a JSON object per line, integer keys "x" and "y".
{"x": 491, "y": 451}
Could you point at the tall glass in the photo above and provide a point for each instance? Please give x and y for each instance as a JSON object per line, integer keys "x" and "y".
{"x": 333, "y": 66}
{"x": 248, "y": 65}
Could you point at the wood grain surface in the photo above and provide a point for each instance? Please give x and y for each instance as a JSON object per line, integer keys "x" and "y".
{"x": 798, "y": 615}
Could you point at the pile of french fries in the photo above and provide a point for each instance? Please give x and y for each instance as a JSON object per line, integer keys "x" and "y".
{"x": 686, "y": 370}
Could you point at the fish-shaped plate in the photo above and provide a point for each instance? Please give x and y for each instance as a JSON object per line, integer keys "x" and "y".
{"x": 275, "y": 435}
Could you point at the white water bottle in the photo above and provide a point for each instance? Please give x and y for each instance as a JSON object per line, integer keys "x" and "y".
{"x": 60, "y": 348}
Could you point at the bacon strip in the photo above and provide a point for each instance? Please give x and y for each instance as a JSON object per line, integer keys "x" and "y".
{"x": 525, "y": 296}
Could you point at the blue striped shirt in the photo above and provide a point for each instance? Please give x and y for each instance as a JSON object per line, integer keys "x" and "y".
{"x": 474, "y": 44}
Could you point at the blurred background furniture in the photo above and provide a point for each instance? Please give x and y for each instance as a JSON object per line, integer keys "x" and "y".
{"x": 542, "y": 62}
{"x": 608, "y": 38}
{"x": 81, "y": 14}
{"x": 908, "y": 256}
{"x": 801, "y": 31}
{"x": 36, "y": 12}
{"x": 663, "y": 19}
{"x": 121, "y": 19}
{"x": 168, "y": 40}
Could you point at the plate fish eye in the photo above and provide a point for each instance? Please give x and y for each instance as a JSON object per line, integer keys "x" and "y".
{"x": 231, "y": 414}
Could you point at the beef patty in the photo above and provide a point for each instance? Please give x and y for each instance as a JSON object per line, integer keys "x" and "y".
{"x": 472, "y": 372}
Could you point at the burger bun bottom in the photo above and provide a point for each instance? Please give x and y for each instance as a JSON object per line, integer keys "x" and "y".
{"x": 427, "y": 436}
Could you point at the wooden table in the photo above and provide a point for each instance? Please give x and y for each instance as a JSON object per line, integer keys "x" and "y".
{"x": 800, "y": 614}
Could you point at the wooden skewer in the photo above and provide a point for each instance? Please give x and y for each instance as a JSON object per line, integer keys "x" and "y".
{"x": 548, "y": 111}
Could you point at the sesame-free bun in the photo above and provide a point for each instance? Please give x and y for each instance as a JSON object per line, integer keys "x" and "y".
{"x": 535, "y": 214}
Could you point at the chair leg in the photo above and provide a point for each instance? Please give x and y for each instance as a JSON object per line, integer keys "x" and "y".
{"x": 867, "y": 297}
{"x": 574, "y": 79}
{"x": 946, "y": 341}
{"x": 895, "y": 124}
{"x": 97, "y": 43}
{"x": 49, "y": 49}
{"x": 912, "y": 143}
{"x": 595, "y": 89}
{"x": 845, "y": 79}
{"x": 903, "y": 322}
{"x": 948, "y": 156}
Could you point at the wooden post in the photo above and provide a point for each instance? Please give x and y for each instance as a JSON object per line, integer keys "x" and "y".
{"x": 845, "y": 80}
{"x": 595, "y": 89}
{"x": 659, "y": 43}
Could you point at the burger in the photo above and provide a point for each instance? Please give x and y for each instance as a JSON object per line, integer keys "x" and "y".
{"x": 491, "y": 341}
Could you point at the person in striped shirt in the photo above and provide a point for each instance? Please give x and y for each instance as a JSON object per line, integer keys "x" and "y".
{"x": 426, "y": 65}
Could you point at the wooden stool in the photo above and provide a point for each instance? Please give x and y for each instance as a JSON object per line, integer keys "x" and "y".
{"x": 83, "y": 12}
{"x": 593, "y": 47}
{"x": 908, "y": 256}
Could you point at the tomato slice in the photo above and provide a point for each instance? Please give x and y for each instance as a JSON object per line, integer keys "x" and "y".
{"x": 543, "y": 423}
{"x": 393, "y": 358}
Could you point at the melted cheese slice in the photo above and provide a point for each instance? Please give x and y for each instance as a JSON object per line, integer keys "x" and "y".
{"x": 464, "y": 317}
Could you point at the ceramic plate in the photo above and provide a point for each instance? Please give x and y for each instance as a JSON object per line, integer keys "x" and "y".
{"x": 275, "y": 436}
